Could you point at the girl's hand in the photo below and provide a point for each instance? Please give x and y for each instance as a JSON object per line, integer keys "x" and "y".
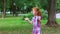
{"x": 26, "y": 19}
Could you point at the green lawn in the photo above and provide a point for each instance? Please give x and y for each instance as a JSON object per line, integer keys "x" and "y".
{"x": 14, "y": 25}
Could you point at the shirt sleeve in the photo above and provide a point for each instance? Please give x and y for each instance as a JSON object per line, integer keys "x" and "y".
{"x": 32, "y": 18}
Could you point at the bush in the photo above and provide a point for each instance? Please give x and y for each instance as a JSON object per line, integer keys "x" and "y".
{"x": 44, "y": 14}
{"x": 29, "y": 15}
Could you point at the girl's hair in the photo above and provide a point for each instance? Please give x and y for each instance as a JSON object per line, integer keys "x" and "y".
{"x": 38, "y": 11}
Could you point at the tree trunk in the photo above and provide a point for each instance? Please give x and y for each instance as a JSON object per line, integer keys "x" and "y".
{"x": 4, "y": 10}
{"x": 52, "y": 13}
{"x": 13, "y": 8}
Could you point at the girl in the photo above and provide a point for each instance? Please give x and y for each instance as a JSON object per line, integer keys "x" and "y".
{"x": 36, "y": 21}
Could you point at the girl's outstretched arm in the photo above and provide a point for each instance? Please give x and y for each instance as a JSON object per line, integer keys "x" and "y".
{"x": 27, "y": 19}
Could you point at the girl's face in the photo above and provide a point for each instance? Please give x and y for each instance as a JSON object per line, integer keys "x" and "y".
{"x": 34, "y": 12}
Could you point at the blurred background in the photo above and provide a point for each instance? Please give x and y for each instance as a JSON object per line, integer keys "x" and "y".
{"x": 13, "y": 12}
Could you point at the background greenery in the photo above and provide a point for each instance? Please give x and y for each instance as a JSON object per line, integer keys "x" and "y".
{"x": 14, "y": 25}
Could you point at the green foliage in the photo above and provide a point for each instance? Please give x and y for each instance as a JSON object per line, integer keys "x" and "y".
{"x": 40, "y": 3}
{"x": 8, "y": 4}
{"x": 30, "y": 15}
{"x": 44, "y": 4}
{"x": 44, "y": 14}
{"x": 1, "y": 4}
{"x": 58, "y": 4}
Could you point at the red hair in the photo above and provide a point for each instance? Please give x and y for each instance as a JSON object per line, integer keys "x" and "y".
{"x": 38, "y": 11}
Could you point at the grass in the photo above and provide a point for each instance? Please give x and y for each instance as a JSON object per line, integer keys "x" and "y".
{"x": 58, "y": 20}
{"x": 16, "y": 25}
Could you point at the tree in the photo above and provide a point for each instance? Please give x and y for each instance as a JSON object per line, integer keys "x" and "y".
{"x": 44, "y": 4}
{"x": 52, "y": 13}
{"x": 1, "y": 4}
{"x": 4, "y": 10}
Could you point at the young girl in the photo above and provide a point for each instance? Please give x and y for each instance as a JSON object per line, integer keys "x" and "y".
{"x": 36, "y": 21}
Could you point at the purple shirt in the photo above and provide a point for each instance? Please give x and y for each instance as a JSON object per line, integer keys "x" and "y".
{"x": 35, "y": 21}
